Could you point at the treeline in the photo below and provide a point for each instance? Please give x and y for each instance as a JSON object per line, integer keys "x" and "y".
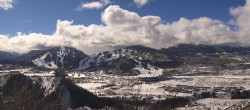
{"x": 81, "y": 97}
{"x": 20, "y": 93}
{"x": 240, "y": 94}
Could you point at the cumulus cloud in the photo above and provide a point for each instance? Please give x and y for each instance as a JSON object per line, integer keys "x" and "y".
{"x": 93, "y": 5}
{"x": 122, "y": 27}
{"x": 141, "y": 3}
{"x": 6, "y": 4}
{"x": 242, "y": 21}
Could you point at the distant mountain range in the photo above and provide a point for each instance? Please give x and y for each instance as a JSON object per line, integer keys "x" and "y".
{"x": 126, "y": 60}
{"x": 54, "y": 58}
{"x": 190, "y": 49}
{"x": 7, "y": 55}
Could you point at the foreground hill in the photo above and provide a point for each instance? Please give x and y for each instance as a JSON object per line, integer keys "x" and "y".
{"x": 40, "y": 93}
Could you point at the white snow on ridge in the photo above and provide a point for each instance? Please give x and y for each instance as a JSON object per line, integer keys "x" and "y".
{"x": 49, "y": 84}
{"x": 60, "y": 54}
{"x": 40, "y": 62}
{"x": 103, "y": 57}
{"x": 64, "y": 52}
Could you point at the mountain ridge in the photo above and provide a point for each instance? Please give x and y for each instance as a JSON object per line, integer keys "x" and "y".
{"x": 129, "y": 57}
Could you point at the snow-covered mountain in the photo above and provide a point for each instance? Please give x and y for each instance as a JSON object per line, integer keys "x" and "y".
{"x": 134, "y": 60}
{"x": 144, "y": 59}
{"x": 58, "y": 57}
{"x": 125, "y": 60}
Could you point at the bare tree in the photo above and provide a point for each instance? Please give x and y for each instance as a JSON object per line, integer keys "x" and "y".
{"x": 135, "y": 88}
{"x": 137, "y": 94}
{"x": 172, "y": 96}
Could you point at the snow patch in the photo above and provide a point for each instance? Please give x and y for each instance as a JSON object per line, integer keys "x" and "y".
{"x": 49, "y": 84}
{"x": 150, "y": 72}
{"x": 104, "y": 57}
{"x": 40, "y": 62}
{"x": 76, "y": 75}
{"x": 90, "y": 86}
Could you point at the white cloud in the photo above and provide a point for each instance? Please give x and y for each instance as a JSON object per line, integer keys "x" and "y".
{"x": 6, "y": 4}
{"x": 123, "y": 27}
{"x": 242, "y": 21}
{"x": 141, "y": 3}
{"x": 197, "y": 31}
{"x": 23, "y": 43}
{"x": 93, "y": 5}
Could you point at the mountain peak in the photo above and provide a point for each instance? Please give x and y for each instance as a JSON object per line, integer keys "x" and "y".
{"x": 64, "y": 56}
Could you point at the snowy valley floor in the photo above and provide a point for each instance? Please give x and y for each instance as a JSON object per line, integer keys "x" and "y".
{"x": 191, "y": 87}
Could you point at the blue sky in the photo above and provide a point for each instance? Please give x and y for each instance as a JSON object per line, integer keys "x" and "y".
{"x": 106, "y": 24}
{"x": 40, "y": 16}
